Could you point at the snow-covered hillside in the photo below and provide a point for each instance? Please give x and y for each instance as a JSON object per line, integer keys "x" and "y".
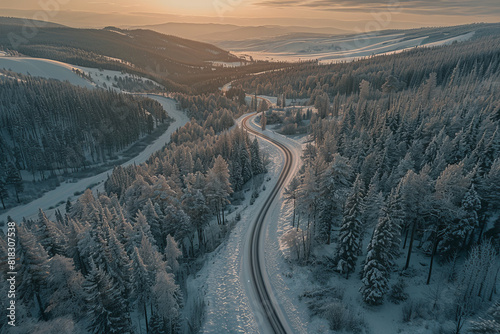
{"x": 52, "y": 69}
{"x": 331, "y": 49}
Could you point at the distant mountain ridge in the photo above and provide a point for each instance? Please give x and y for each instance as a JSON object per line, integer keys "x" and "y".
{"x": 213, "y": 32}
{"x": 177, "y": 63}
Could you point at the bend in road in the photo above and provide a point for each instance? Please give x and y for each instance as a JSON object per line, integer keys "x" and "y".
{"x": 273, "y": 315}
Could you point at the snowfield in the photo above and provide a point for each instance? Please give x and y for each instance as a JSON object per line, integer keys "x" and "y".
{"x": 52, "y": 69}
{"x": 332, "y": 49}
{"x": 67, "y": 190}
{"x": 45, "y": 68}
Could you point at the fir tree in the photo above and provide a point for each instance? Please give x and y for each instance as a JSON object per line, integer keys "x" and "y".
{"x": 107, "y": 311}
{"x": 348, "y": 248}
{"x": 378, "y": 262}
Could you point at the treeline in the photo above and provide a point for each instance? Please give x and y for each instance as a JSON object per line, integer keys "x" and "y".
{"x": 411, "y": 68}
{"x": 418, "y": 164}
{"x": 202, "y": 107}
{"x": 49, "y": 125}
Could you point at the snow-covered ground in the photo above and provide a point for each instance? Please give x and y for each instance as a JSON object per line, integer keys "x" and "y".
{"x": 67, "y": 190}
{"x": 45, "y": 68}
{"x": 51, "y": 69}
{"x": 333, "y": 48}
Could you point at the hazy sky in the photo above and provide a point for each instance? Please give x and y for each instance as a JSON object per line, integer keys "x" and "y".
{"x": 348, "y": 14}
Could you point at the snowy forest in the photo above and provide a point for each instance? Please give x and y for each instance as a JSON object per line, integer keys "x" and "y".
{"x": 121, "y": 258}
{"x": 410, "y": 163}
{"x": 394, "y": 209}
{"x": 51, "y": 127}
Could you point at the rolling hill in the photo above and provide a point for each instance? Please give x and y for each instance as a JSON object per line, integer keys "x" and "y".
{"x": 179, "y": 64}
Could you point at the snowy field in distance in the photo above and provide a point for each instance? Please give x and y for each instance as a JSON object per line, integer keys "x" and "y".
{"x": 333, "y": 49}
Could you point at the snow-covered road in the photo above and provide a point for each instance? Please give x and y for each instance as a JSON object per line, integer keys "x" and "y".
{"x": 225, "y": 279}
{"x": 66, "y": 190}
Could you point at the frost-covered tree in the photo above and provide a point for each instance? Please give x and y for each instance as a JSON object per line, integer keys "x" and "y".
{"x": 218, "y": 187}
{"x": 167, "y": 299}
{"x": 34, "y": 270}
{"x": 334, "y": 189}
{"x": 195, "y": 206}
{"x": 291, "y": 194}
{"x": 476, "y": 282}
{"x": 172, "y": 254}
{"x": 143, "y": 282}
{"x": 350, "y": 231}
{"x": 379, "y": 261}
{"x": 107, "y": 311}
{"x": 456, "y": 233}
{"x": 65, "y": 286}
{"x": 257, "y": 163}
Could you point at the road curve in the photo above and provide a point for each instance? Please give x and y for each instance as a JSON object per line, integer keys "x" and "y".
{"x": 260, "y": 282}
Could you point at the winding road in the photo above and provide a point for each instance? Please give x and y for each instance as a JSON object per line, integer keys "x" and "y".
{"x": 261, "y": 285}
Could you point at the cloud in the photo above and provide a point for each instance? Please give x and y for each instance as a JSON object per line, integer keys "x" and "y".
{"x": 429, "y": 7}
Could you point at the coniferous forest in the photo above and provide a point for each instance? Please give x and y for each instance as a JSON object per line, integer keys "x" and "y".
{"x": 394, "y": 206}
{"x": 50, "y": 125}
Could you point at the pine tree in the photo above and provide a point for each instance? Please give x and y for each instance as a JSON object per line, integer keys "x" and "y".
{"x": 334, "y": 189}
{"x": 456, "y": 233}
{"x": 4, "y": 194}
{"x": 257, "y": 164}
{"x": 65, "y": 286}
{"x": 379, "y": 260}
{"x": 142, "y": 285}
{"x": 167, "y": 297}
{"x": 119, "y": 266}
{"x": 107, "y": 311}
{"x": 291, "y": 194}
{"x": 172, "y": 254}
{"x": 218, "y": 187}
{"x": 194, "y": 204}
{"x": 50, "y": 236}
{"x": 348, "y": 248}
{"x": 14, "y": 178}
{"x": 33, "y": 271}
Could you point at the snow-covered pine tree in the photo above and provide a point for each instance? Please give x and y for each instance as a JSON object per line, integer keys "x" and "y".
{"x": 218, "y": 187}
{"x": 378, "y": 262}
{"x": 455, "y": 233}
{"x": 33, "y": 271}
{"x": 167, "y": 299}
{"x": 65, "y": 286}
{"x": 107, "y": 311}
{"x": 172, "y": 254}
{"x": 334, "y": 188}
{"x": 291, "y": 194}
{"x": 257, "y": 163}
{"x": 350, "y": 231}
{"x": 143, "y": 283}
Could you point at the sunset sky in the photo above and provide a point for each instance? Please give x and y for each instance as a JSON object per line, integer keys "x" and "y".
{"x": 348, "y": 14}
